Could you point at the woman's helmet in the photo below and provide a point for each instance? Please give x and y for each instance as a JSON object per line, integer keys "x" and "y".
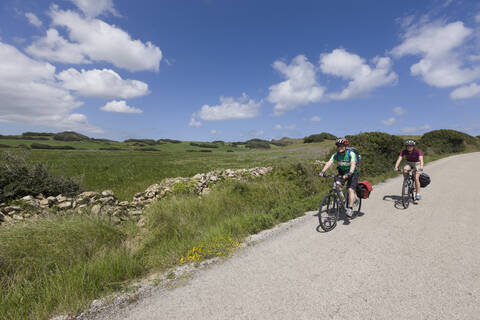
{"x": 341, "y": 142}
{"x": 410, "y": 143}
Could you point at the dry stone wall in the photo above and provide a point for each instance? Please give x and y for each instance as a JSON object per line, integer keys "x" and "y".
{"x": 106, "y": 203}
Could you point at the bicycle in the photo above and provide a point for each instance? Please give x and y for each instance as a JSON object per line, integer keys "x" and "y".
{"x": 408, "y": 189}
{"x": 334, "y": 202}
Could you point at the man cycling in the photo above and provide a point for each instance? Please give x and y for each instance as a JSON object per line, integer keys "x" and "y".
{"x": 414, "y": 161}
{"x": 347, "y": 168}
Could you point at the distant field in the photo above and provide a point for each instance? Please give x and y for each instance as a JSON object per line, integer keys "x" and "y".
{"x": 128, "y": 172}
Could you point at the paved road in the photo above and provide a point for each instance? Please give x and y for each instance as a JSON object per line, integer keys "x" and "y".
{"x": 419, "y": 263}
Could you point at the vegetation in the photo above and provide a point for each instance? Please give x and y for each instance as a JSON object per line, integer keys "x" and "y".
{"x": 18, "y": 179}
{"x": 379, "y": 151}
{"x": 37, "y": 134}
{"x": 70, "y": 136}
{"x": 257, "y": 144}
{"x": 319, "y": 137}
{"x": 169, "y": 141}
{"x": 46, "y": 146}
{"x": 204, "y": 145}
{"x": 446, "y": 141}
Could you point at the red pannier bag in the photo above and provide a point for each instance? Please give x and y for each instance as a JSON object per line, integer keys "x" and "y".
{"x": 363, "y": 189}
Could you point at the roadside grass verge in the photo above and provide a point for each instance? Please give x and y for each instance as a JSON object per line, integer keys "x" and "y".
{"x": 58, "y": 265}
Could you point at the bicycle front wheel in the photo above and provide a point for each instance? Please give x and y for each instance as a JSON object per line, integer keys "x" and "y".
{"x": 328, "y": 212}
{"x": 405, "y": 194}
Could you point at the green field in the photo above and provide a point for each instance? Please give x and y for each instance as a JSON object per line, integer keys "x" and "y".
{"x": 128, "y": 171}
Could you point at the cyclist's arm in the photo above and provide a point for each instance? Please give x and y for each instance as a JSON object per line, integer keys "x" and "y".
{"x": 400, "y": 160}
{"x": 327, "y": 165}
{"x": 353, "y": 164}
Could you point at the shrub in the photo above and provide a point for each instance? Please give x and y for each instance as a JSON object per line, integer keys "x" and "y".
{"x": 203, "y": 145}
{"x": 10, "y": 137}
{"x": 46, "y": 146}
{"x": 230, "y": 150}
{"x": 257, "y": 144}
{"x": 4, "y": 146}
{"x": 149, "y": 142}
{"x": 219, "y": 142}
{"x": 146, "y": 149}
{"x": 169, "y": 141}
{"x": 23, "y": 146}
{"x": 70, "y": 136}
{"x": 379, "y": 151}
{"x": 203, "y": 150}
{"x": 37, "y": 134}
{"x": 236, "y": 144}
{"x": 18, "y": 178}
{"x": 110, "y": 149}
{"x": 446, "y": 141}
{"x": 319, "y": 137}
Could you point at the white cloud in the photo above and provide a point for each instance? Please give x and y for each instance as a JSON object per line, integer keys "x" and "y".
{"x": 390, "y": 121}
{"x": 300, "y": 88}
{"x": 285, "y": 127}
{"x": 229, "y": 108}
{"x": 94, "y": 40}
{"x": 256, "y": 133}
{"x": 33, "y": 19}
{"x": 119, "y": 107}
{"x": 416, "y": 129}
{"x": 103, "y": 83}
{"x": 466, "y": 92}
{"x": 194, "y": 123}
{"x": 363, "y": 78}
{"x": 399, "y": 111}
{"x": 315, "y": 119}
{"x": 30, "y": 94}
{"x": 441, "y": 47}
{"x": 93, "y": 8}
{"x": 477, "y": 18}
{"x": 214, "y": 132}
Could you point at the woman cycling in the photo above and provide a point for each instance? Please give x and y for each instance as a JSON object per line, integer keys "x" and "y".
{"x": 414, "y": 161}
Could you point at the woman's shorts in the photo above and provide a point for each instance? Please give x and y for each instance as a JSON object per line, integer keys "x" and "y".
{"x": 413, "y": 165}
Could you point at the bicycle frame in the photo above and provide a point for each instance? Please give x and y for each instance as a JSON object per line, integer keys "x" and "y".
{"x": 408, "y": 189}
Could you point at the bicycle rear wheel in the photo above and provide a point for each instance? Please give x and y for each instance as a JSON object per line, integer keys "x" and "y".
{"x": 357, "y": 203}
{"x": 405, "y": 194}
{"x": 328, "y": 212}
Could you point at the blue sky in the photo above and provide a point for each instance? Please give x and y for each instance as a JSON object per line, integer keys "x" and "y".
{"x": 235, "y": 70}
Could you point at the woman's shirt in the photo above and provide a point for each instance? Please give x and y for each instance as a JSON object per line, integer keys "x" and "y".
{"x": 413, "y": 156}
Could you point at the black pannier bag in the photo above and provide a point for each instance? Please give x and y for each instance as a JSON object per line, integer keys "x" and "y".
{"x": 424, "y": 180}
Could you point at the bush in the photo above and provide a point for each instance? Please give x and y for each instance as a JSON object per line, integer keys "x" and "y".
{"x": 236, "y": 144}
{"x": 4, "y": 146}
{"x": 46, "y": 146}
{"x": 37, "y": 134}
{"x": 446, "y": 141}
{"x": 257, "y": 144}
{"x": 169, "y": 141}
{"x": 204, "y": 145}
{"x": 149, "y": 142}
{"x": 10, "y": 137}
{"x": 70, "y": 136}
{"x": 18, "y": 179}
{"x": 110, "y": 149}
{"x": 379, "y": 151}
{"x": 319, "y": 137}
{"x": 146, "y": 149}
{"x": 219, "y": 142}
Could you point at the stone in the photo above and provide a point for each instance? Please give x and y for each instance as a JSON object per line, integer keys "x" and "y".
{"x": 17, "y": 217}
{"x": 136, "y": 212}
{"x": 123, "y": 204}
{"x": 96, "y": 209}
{"x": 52, "y": 199}
{"x": 65, "y": 205}
{"x": 107, "y": 200}
{"x": 61, "y": 198}
{"x": 28, "y": 198}
{"x": 45, "y": 203}
{"x": 40, "y": 196}
{"x": 107, "y": 193}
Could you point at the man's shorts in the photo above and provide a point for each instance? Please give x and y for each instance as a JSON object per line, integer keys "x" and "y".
{"x": 352, "y": 181}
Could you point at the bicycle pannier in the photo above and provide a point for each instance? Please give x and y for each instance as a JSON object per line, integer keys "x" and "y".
{"x": 424, "y": 180}
{"x": 363, "y": 189}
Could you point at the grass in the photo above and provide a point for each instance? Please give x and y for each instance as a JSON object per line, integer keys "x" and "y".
{"x": 129, "y": 172}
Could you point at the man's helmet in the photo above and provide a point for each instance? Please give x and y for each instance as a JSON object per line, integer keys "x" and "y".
{"x": 341, "y": 142}
{"x": 410, "y": 143}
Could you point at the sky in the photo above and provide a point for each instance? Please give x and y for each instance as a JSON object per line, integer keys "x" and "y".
{"x": 234, "y": 70}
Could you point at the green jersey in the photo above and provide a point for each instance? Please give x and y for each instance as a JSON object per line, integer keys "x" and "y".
{"x": 344, "y": 161}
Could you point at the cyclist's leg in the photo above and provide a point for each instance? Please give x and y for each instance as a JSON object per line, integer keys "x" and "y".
{"x": 406, "y": 169}
{"x": 352, "y": 183}
{"x": 417, "y": 179}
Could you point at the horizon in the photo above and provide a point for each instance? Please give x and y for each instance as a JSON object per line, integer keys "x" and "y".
{"x": 220, "y": 70}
